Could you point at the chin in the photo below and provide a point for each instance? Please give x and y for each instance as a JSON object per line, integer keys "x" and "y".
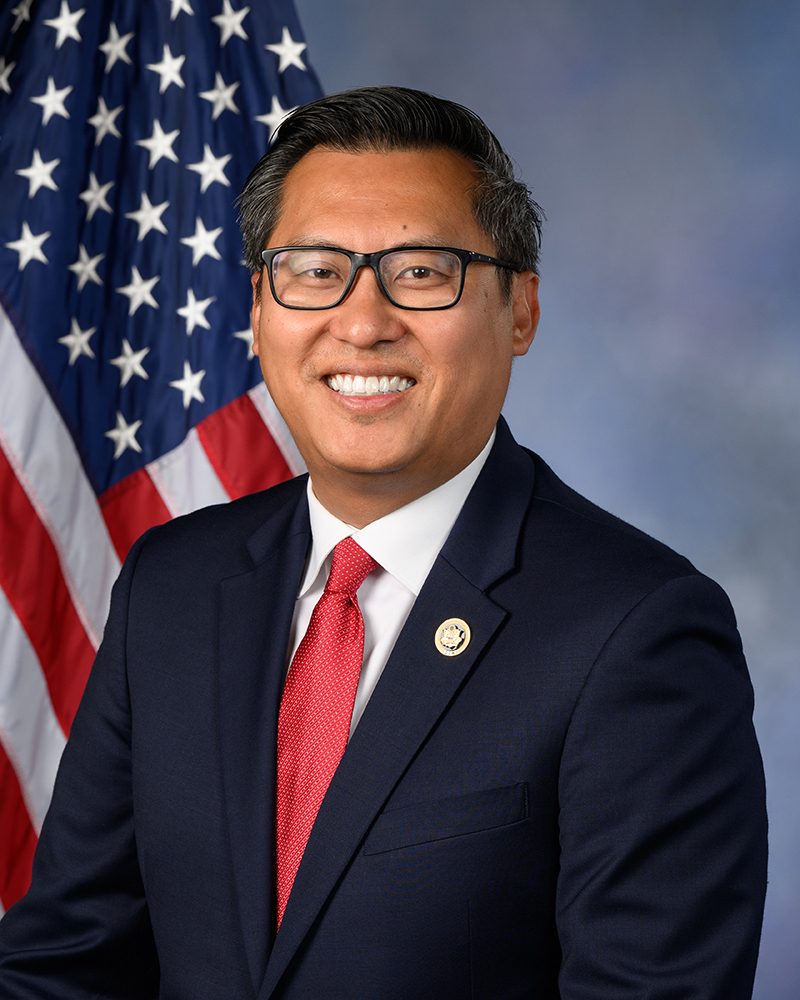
{"x": 370, "y": 451}
{"x": 353, "y": 466}
{"x": 364, "y": 461}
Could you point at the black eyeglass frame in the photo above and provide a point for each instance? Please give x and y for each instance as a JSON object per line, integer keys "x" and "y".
{"x": 372, "y": 261}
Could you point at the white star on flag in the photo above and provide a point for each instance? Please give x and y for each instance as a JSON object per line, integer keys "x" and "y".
{"x": 178, "y": 6}
{"x": 77, "y": 341}
{"x": 202, "y": 243}
{"x": 230, "y": 22}
{"x": 160, "y": 144}
{"x": 114, "y": 47}
{"x": 289, "y": 51}
{"x": 221, "y": 97}
{"x": 148, "y": 217}
{"x": 52, "y": 101}
{"x": 247, "y": 337}
{"x": 194, "y": 312}
{"x": 95, "y": 196}
{"x": 66, "y": 24}
{"x": 169, "y": 69}
{"x": 29, "y": 247}
{"x": 39, "y": 174}
{"x": 103, "y": 121}
{"x": 22, "y": 12}
{"x": 124, "y": 435}
{"x": 211, "y": 168}
{"x": 130, "y": 363}
{"x": 139, "y": 291}
{"x": 5, "y": 73}
{"x": 85, "y": 267}
{"x": 275, "y": 116}
{"x": 189, "y": 385}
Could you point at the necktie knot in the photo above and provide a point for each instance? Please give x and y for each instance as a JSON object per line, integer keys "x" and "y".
{"x": 350, "y": 566}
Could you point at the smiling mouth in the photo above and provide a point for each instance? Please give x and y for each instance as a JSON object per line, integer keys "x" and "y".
{"x": 372, "y": 385}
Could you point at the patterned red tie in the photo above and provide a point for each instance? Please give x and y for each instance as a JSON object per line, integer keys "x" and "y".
{"x": 316, "y": 708}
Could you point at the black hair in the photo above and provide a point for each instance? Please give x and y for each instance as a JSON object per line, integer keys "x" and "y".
{"x": 382, "y": 119}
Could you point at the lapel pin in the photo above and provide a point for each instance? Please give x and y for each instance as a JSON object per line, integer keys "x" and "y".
{"x": 452, "y": 637}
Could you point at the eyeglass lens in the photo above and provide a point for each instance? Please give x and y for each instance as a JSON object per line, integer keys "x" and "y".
{"x": 419, "y": 279}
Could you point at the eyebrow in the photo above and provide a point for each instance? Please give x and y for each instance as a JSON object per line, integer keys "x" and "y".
{"x": 315, "y": 240}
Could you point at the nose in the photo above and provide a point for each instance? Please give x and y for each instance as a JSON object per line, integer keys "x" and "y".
{"x": 366, "y": 316}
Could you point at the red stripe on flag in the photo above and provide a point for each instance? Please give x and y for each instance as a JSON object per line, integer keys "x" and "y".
{"x": 241, "y": 449}
{"x": 17, "y": 836}
{"x": 30, "y": 575}
{"x": 131, "y": 507}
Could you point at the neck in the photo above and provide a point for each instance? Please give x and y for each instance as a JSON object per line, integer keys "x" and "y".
{"x": 359, "y": 499}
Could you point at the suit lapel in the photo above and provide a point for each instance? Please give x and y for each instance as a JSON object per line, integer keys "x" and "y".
{"x": 415, "y": 689}
{"x": 256, "y": 611}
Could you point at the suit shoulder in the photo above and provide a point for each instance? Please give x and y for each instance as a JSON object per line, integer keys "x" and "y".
{"x": 580, "y": 572}
{"x": 594, "y": 536}
{"x": 220, "y": 533}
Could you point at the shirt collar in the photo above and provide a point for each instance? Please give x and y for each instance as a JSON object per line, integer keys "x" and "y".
{"x": 405, "y": 542}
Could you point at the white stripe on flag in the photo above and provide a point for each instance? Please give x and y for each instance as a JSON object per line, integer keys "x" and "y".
{"x": 268, "y": 412}
{"x": 185, "y": 478}
{"x": 29, "y": 730}
{"x": 46, "y": 462}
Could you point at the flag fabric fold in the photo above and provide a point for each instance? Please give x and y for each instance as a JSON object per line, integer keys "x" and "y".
{"x": 128, "y": 391}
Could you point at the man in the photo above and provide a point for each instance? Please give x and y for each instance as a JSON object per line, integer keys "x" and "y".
{"x": 550, "y": 787}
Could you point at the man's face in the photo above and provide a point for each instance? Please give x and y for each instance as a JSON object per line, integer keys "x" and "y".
{"x": 456, "y": 362}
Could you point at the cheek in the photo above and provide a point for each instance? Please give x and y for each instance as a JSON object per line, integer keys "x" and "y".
{"x": 270, "y": 358}
{"x": 273, "y": 342}
{"x": 483, "y": 367}
{"x": 285, "y": 364}
{"x": 475, "y": 353}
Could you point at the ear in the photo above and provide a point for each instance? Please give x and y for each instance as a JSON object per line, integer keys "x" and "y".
{"x": 255, "y": 311}
{"x": 524, "y": 310}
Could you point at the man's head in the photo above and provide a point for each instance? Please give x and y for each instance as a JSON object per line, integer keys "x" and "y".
{"x": 380, "y": 119}
{"x": 385, "y": 400}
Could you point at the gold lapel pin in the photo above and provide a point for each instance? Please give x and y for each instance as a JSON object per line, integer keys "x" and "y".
{"x": 452, "y": 637}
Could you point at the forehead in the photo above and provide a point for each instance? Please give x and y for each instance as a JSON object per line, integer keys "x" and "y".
{"x": 370, "y": 200}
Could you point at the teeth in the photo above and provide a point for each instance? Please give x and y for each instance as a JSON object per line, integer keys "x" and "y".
{"x": 372, "y": 385}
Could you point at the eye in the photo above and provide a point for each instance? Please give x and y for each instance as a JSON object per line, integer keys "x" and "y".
{"x": 420, "y": 271}
{"x": 314, "y": 266}
{"x": 416, "y": 268}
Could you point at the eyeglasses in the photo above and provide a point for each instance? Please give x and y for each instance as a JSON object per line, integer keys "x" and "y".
{"x": 409, "y": 277}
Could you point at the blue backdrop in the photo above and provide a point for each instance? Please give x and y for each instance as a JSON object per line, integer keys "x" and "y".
{"x": 662, "y": 140}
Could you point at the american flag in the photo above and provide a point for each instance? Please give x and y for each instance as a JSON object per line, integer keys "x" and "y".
{"x": 128, "y": 392}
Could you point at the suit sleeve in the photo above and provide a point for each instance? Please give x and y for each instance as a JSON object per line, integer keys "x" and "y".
{"x": 662, "y": 810}
{"x": 83, "y": 928}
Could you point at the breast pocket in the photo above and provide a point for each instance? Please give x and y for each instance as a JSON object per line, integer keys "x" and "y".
{"x": 456, "y": 816}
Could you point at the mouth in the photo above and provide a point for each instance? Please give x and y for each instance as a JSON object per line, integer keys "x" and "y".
{"x": 370, "y": 385}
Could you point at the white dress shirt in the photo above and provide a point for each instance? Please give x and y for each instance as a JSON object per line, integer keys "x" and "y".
{"x": 405, "y": 544}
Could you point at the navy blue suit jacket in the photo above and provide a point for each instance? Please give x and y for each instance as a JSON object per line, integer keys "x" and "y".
{"x": 573, "y": 807}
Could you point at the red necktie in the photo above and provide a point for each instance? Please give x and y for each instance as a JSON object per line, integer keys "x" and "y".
{"x": 316, "y": 708}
